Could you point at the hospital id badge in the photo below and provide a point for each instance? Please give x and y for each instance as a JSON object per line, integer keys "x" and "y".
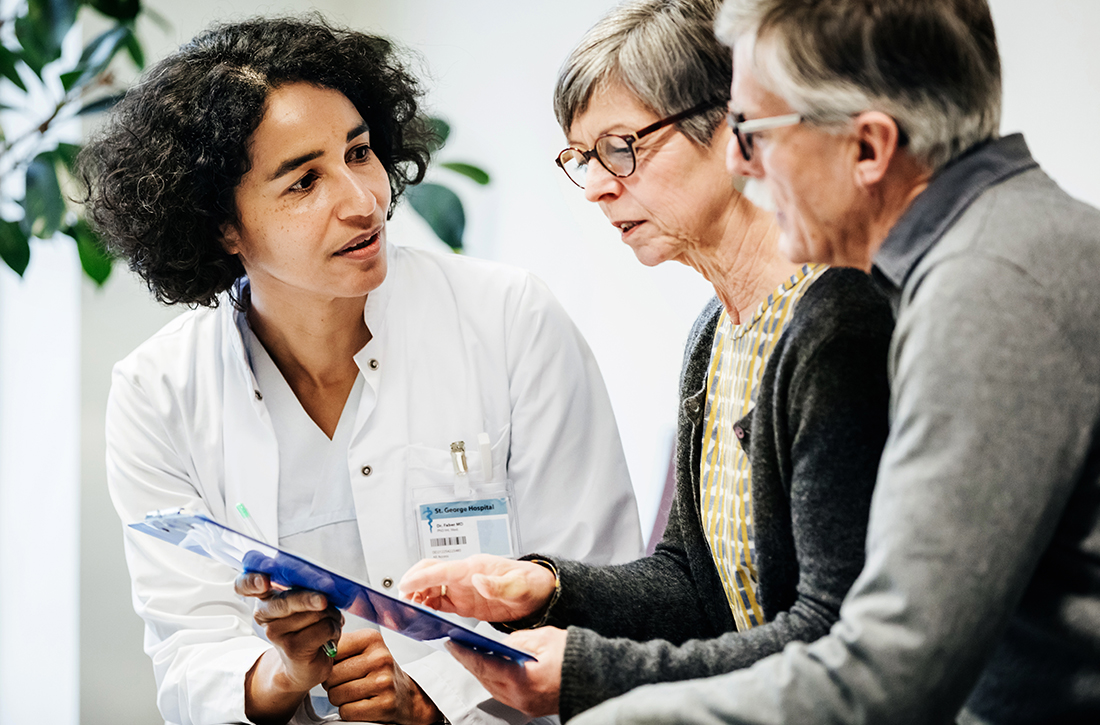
{"x": 452, "y": 527}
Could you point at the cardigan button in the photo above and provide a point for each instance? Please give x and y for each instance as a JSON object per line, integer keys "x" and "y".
{"x": 739, "y": 432}
{"x": 366, "y": 470}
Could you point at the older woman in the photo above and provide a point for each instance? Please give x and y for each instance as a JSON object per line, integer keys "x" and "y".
{"x": 324, "y": 376}
{"x": 783, "y": 414}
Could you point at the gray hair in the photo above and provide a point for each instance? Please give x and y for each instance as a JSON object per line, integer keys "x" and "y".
{"x": 930, "y": 64}
{"x": 662, "y": 51}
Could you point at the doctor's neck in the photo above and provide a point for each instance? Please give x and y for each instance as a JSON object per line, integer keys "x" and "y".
{"x": 312, "y": 340}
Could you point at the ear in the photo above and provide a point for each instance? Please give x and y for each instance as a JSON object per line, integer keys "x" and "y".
{"x": 230, "y": 238}
{"x": 877, "y": 134}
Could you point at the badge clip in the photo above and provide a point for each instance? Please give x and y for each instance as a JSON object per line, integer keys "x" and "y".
{"x": 462, "y": 470}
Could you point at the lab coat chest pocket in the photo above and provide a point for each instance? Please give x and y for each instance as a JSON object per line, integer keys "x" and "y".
{"x": 461, "y": 503}
{"x": 432, "y": 465}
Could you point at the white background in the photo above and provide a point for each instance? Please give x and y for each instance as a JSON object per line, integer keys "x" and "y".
{"x": 490, "y": 67}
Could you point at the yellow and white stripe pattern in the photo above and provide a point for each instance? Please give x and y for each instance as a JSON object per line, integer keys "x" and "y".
{"x": 737, "y": 362}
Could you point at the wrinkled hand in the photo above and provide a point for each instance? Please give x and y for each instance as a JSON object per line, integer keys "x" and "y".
{"x": 533, "y": 687}
{"x": 298, "y": 623}
{"x": 368, "y": 685}
{"x": 489, "y": 588}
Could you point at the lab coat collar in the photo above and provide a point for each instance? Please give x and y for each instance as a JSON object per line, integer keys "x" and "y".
{"x": 251, "y": 451}
{"x": 374, "y": 311}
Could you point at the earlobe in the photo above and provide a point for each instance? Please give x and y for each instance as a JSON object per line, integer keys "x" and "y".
{"x": 230, "y": 238}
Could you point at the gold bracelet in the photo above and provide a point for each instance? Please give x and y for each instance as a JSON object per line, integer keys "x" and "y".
{"x": 553, "y": 598}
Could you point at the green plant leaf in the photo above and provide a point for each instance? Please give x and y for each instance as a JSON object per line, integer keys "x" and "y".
{"x": 69, "y": 79}
{"x": 442, "y": 209}
{"x": 158, "y": 19}
{"x": 35, "y": 51}
{"x": 96, "y": 57}
{"x": 7, "y": 67}
{"x": 469, "y": 170}
{"x": 15, "y": 248}
{"x": 43, "y": 205}
{"x": 94, "y": 258}
{"x": 135, "y": 51}
{"x": 61, "y": 15}
{"x": 42, "y": 29}
{"x": 66, "y": 154}
{"x": 118, "y": 9}
{"x": 100, "y": 104}
{"x": 440, "y": 130}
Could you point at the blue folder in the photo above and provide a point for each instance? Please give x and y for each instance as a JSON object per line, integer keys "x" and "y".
{"x": 201, "y": 535}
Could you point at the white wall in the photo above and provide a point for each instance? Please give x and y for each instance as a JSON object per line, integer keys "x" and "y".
{"x": 39, "y": 485}
{"x": 1051, "y": 66}
{"x": 492, "y": 65}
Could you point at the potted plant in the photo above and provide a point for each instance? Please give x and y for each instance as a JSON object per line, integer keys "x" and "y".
{"x": 437, "y": 204}
{"x": 44, "y": 90}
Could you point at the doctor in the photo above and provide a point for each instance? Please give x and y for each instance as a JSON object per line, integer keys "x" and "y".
{"x": 322, "y": 376}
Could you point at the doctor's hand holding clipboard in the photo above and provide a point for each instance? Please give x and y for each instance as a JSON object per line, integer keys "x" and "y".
{"x": 356, "y": 669}
{"x": 301, "y": 625}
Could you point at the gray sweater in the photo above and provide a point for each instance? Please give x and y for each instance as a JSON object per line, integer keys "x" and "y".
{"x": 814, "y": 439}
{"x": 982, "y": 582}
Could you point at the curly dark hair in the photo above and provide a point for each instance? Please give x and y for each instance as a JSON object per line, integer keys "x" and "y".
{"x": 159, "y": 179}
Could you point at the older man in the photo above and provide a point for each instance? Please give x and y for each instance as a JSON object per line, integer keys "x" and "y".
{"x": 875, "y": 127}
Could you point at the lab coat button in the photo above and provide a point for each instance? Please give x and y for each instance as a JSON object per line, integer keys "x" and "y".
{"x": 259, "y": 395}
{"x": 373, "y": 364}
{"x": 366, "y": 470}
{"x": 387, "y": 582}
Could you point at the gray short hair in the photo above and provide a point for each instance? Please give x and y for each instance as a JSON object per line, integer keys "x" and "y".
{"x": 663, "y": 51}
{"x": 931, "y": 64}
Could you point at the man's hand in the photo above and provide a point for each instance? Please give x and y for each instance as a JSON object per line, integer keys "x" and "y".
{"x": 533, "y": 687}
{"x": 368, "y": 685}
{"x": 489, "y": 588}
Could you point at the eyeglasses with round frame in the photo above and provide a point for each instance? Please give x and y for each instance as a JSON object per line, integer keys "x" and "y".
{"x": 744, "y": 130}
{"x": 615, "y": 152}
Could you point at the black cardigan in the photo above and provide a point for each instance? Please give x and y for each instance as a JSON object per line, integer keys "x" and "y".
{"x": 814, "y": 439}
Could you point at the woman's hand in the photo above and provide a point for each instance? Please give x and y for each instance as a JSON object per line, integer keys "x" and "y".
{"x": 299, "y": 623}
{"x": 368, "y": 685}
{"x": 533, "y": 688}
{"x": 489, "y": 588}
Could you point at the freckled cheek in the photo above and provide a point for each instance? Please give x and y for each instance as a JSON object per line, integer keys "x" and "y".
{"x": 288, "y": 217}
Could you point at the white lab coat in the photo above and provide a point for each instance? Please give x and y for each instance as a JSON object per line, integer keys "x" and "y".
{"x": 462, "y": 346}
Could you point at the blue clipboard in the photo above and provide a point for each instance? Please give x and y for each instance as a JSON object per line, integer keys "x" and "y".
{"x": 216, "y": 541}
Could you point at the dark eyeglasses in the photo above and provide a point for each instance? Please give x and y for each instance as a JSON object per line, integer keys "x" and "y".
{"x": 744, "y": 130}
{"x": 615, "y": 152}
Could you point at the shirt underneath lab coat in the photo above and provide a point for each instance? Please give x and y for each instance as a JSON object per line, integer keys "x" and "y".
{"x": 459, "y": 346}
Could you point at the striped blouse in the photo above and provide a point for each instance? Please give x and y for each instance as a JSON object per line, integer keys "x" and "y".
{"x": 738, "y": 358}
